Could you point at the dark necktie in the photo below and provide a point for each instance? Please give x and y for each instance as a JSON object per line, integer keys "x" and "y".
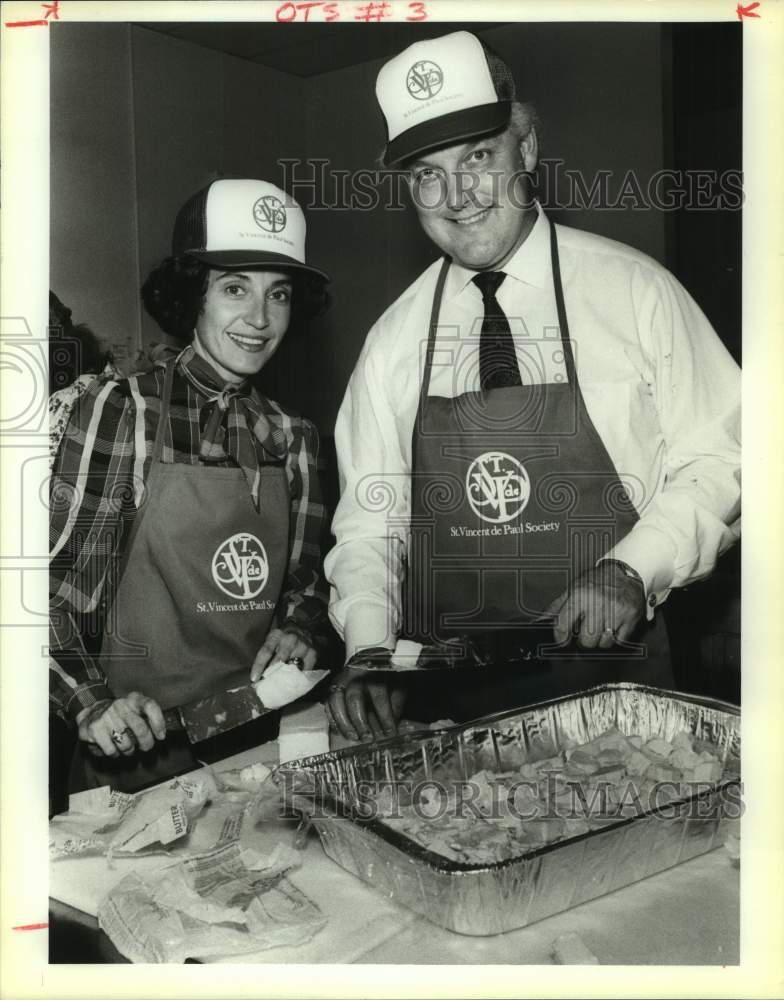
{"x": 497, "y": 359}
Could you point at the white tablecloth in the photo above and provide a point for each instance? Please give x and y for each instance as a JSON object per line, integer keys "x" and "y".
{"x": 688, "y": 915}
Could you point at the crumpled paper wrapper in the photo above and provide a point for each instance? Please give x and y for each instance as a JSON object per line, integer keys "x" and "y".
{"x": 103, "y": 821}
{"x": 245, "y": 798}
{"x": 188, "y": 815}
{"x": 226, "y": 901}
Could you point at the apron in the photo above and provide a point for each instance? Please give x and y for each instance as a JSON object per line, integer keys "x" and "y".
{"x": 513, "y": 495}
{"x": 200, "y": 579}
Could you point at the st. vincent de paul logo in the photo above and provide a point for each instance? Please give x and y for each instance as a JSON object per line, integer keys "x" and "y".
{"x": 424, "y": 80}
{"x": 269, "y": 214}
{"x": 497, "y": 486}
{"x": 240, "y": 566}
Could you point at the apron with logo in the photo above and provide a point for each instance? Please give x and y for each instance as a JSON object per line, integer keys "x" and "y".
{"x": 513, "y": 495}
{"x": 201, "y": 576}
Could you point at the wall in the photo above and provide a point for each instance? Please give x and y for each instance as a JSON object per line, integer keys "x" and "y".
{"x": 141, "y": 121}
{"x": 199, "y": 115}
{"x": 93, "y": 261}
{"x": 707, "y": 134}
{"x": 598, "y": 91}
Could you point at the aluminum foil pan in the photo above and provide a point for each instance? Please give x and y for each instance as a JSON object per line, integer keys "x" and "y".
{"x": 484, "y": 899}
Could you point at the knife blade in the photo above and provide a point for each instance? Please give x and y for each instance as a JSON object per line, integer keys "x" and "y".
{"x": 225, "y": 710}
{"x": 217, "y": 713}
{"x": 493, "y": 647}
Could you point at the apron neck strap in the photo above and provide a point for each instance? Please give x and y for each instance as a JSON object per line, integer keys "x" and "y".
{"x": 127, "y": 542}
{"x": 435, "y": 310}
{"x": 560, "y": 305}
{"x": 163, "y": 419}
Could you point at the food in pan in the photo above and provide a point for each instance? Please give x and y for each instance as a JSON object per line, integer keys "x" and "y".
{"x": 498, "y": 814}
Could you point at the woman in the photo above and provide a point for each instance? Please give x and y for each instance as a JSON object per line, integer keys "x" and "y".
{"x": 186, "y": 512}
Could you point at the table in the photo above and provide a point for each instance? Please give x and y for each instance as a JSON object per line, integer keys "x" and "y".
{"x": 688, "y": 915}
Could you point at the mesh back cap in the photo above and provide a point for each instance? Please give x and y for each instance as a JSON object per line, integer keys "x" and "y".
{"x": 440, "y": 91}
{"x": 243, "y": 223}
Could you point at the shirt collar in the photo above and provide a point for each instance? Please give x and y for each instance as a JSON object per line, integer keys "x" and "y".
{"x": 205, "y": 379}
{"x": 530, "y": 263}
{"x": 260, "y": 419}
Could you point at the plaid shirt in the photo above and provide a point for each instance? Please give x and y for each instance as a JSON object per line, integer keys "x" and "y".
{"x": 97, "y": 482}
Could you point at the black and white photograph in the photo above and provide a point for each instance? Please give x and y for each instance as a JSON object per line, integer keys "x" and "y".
{"x": 372, "y": 406}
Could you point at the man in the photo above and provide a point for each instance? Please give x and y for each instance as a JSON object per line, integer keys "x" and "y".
{"x": 543, "y": 427}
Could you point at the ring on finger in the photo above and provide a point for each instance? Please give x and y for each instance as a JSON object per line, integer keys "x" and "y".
{"x": 610, "y": 631}
{"x": 118, "y": 737}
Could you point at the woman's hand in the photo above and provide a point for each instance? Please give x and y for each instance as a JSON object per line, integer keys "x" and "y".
{"x": 284, "y": 644}
{"x": 123, "y": 726}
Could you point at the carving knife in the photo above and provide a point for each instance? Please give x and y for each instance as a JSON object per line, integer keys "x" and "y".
{"x": 493, "y": 647}
{"x": 218, "y": 713}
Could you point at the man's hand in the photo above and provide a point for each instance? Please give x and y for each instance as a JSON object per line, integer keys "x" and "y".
{"x": 603, "y": 606}
{"x": 123, "y": 726}
{"x": 361, "y": 706}
{"x": 284, "y": 644}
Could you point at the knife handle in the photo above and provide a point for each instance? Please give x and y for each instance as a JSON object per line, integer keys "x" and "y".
{"x": 173, "y": 719}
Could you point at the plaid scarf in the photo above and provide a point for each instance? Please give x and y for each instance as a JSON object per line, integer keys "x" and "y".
{"x": 236, "y": 426}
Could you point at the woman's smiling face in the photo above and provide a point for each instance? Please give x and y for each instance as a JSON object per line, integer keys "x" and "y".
{"x": 244, "y": 318}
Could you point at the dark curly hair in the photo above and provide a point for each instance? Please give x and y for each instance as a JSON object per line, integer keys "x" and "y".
{"x": 174, "y": 291}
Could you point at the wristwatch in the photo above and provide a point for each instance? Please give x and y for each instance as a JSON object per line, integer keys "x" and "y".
{"x": 627, "y": 570}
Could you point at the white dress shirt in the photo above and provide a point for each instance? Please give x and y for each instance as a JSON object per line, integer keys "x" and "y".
{"x": 659, "y": 386}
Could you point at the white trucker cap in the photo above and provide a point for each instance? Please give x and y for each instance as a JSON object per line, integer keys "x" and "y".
{"x": 442, "y": 91}
{"x": 243, "y": 223}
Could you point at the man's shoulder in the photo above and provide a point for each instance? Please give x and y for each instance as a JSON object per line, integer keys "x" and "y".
{"x": 591, "y": 248}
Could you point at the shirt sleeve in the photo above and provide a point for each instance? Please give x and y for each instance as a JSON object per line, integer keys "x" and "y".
{"x": 90, "y": 499}
{"x": 365, "y": 568}
{"x": 304, "y": 597}
{"x": 694, "y": 517}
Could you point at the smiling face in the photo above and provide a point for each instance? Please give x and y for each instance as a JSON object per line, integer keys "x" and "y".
{"x": 471, "y": 198}
{"x": 243, "y": 320}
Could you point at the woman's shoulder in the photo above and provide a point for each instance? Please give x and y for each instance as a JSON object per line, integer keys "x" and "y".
{"x": 111, "y": 398}
{"x": 278, "y": 412}
{"x": 298, "y": 430}
{"x": 145, "y": 382}
{"x": 91, "y": 409}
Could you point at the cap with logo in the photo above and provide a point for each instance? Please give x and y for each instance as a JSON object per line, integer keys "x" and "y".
{"x": 243, "y": 223}
{"x": 441, "y": 91}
